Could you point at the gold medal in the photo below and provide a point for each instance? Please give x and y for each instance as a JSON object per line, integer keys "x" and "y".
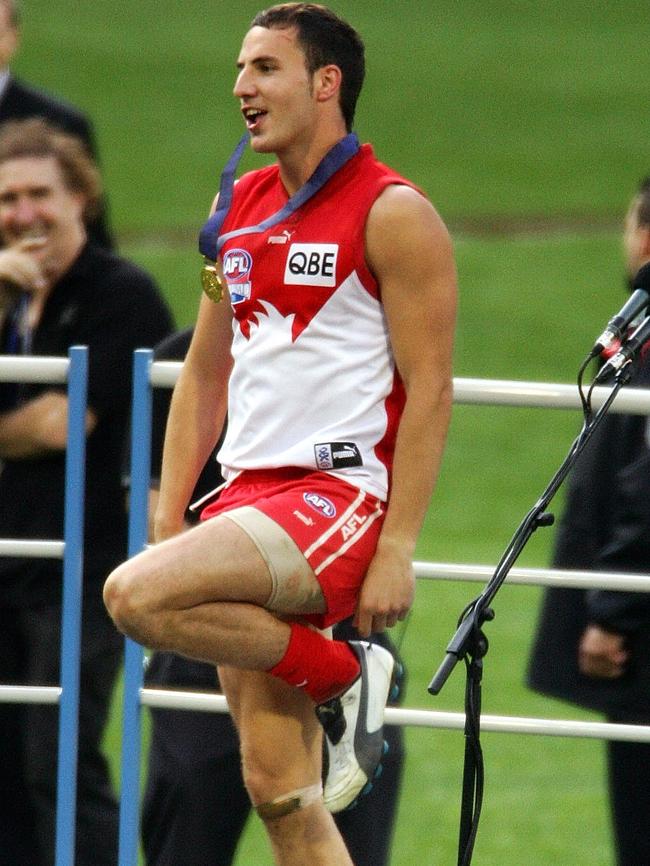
{"x": 211, "y": 281}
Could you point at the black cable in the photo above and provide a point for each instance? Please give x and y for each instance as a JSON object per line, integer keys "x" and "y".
{"x": 586, "y": 401}
{"x": 479, "y": 611}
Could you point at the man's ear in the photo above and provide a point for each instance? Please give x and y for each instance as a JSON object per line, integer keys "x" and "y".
{"x": 327, "y": 82}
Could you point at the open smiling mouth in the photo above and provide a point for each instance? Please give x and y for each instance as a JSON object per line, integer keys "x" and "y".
{"x": 33, "y": 239}
{"x": 253, "y": 116}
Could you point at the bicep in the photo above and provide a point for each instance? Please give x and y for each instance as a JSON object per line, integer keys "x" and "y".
{"x": 409, "y": 251}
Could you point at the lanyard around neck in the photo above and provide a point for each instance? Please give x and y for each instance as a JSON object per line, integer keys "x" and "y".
{"x": 211, "y": 242}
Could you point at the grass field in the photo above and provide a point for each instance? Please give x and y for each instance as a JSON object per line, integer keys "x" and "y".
{"x": 526, "y": 123}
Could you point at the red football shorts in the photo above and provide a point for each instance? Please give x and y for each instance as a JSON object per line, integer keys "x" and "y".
{"x": 333, "y": 523}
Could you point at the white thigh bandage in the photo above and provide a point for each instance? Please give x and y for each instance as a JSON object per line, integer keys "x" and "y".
{"x": 295, "y": 587}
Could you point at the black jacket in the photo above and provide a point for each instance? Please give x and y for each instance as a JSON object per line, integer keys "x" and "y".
{"x": 606, "y": 527}
{"x": 113, "y": 307}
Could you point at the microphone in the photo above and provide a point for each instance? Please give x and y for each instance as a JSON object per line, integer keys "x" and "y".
{"x": 627, "y": 352}
{"x": 637, "y": 302}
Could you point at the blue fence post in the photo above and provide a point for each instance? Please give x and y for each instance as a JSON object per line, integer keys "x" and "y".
{"x": 134, "y": 654}
{"x": 75, "y": 476}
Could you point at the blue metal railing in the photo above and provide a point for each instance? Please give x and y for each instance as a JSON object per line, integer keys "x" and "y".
{"x": 75, "y": 370}
{"x": 73, "y": 533}
{"x": 134, "y": 653}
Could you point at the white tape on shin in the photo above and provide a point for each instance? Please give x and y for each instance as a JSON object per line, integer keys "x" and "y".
{"x": 291, "y": 802}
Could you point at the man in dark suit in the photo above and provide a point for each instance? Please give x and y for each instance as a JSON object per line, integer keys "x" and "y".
{"x": 591, "y": 648}
{"x": 19, "y": 101}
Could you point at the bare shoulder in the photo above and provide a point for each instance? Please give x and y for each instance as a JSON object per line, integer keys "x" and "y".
{"x": 403, "y": 226}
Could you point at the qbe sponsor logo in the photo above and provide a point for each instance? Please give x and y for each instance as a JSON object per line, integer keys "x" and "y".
{"x": 320, "y": 503}
{"x": 237, "y": 266}
{"x": 311, "y": 265}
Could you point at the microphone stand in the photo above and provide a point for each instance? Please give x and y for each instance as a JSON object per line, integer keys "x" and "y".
{"x": 470, "y": 644}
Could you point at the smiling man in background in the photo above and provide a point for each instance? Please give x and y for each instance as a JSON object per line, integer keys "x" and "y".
{"x": 20, "y": 101}
{"x": 57, "y": 289}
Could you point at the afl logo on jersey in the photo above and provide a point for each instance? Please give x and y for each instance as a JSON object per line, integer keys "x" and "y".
{"x": 237, "y": 266}
{"x": 320, "y": 504}
{"x": 311, "y": 265}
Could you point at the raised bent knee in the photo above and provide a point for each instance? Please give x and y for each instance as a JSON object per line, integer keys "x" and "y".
{"x": 126, "y": 609}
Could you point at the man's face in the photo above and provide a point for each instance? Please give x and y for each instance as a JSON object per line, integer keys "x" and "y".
{"x": 8, "y": 36}
{"x": 38, "y": 213}
{"x": 274, "y": 89}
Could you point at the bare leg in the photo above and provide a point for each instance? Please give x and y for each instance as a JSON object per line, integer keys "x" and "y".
{"x": 200, "y": 594}
{"x": 281, "y": 744}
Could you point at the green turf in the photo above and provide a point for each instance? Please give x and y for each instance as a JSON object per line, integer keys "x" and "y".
{"x": 512, "y": 116}
{"x": 496, "y": 109}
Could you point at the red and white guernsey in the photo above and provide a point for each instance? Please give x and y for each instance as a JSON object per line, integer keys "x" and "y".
{"x": 314, "y": 383}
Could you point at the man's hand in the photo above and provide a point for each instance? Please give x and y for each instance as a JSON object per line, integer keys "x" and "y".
{"x": 19, "y": 272}
{"x": 160, "y": 528}
{"x": 387, "y": 592}
{"x": 602, "y": 653}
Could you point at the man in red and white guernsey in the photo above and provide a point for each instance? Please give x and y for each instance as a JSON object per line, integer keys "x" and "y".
{"x": 333, "y": 361}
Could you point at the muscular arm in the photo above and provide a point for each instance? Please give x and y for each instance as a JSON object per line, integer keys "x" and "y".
{"x": 196, "y": 414}
{"x": 409, "y": 251}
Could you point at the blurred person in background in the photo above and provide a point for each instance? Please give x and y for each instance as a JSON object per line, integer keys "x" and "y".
{"x": 19, "y": 101}
{"x": 58, "y": 289}
{"x": 591, "y": 647}
{"x": 195, "y": 802}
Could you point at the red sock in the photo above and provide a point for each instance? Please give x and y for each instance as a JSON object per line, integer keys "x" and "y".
{"x": 320, "y": 666}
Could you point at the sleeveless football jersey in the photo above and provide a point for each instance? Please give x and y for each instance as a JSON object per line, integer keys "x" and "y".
{"x": 314, "y": 383}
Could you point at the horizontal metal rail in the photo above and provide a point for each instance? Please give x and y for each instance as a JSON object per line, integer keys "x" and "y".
{"x": 214, "y": 703}
{"x": 33, "y": 549}
{"x": 495, "y": 392}
{"x": 491, "y": 392}
{"x": 535, "y": 576}
{"x": 30, "y": 694}
{"x": 16, "y": 368}
{"x": 544, "y": 395}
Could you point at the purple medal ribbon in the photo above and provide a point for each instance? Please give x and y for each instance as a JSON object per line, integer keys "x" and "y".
{"x": 211, "y": 242}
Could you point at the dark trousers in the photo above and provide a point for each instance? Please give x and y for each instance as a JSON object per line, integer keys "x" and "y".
{"x": 629, "y": 784}
{"x": 195, "y": 804}
{"x": 29, "y": 654}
